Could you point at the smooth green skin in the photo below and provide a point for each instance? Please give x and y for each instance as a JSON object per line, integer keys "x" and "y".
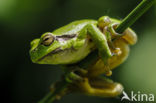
{"x": 88, "y": 38}
{"x": 75, "y": 49}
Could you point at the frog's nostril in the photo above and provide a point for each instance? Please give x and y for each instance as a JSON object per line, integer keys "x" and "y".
{"x": 31, "y": 44}
{"x": 34, "y": 43}
{"x": 34, "y": 50}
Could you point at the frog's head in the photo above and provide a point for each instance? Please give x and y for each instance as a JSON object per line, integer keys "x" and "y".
{"x": 47, "y": 49}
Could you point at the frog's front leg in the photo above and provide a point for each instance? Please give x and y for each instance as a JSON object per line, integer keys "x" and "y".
{"x": 100, "y": 42}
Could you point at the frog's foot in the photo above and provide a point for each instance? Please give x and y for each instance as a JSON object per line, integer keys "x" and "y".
{"x": 108, "y": 73}
{"x": 111, "y": 28}
{"x": 80, "y": 72}
{"x": 128, "y": 35}
{"x": 101, "y": 87}
{"x": 76, "y": 75}
{"x": 72, "y": 77}
{"x": 116, "y": 52}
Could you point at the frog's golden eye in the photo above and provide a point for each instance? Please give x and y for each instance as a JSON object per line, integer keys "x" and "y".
{"x": 47, "y": 39}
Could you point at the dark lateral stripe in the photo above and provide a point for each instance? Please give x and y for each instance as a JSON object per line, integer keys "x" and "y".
{"x": 66, "y": 36}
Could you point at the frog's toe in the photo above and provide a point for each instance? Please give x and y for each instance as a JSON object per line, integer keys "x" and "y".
{"x": 108, "y": 73}
{"x": 111, "y": 28}
{"x": 116, "y": 52}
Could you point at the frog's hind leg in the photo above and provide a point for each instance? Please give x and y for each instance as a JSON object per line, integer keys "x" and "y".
{"x": 100, "y": 87}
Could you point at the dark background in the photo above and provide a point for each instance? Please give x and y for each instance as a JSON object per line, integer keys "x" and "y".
{"x": 24, "y": 20}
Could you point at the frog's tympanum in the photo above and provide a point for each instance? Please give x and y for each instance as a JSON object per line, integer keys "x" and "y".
{"x": 71, "y": 44}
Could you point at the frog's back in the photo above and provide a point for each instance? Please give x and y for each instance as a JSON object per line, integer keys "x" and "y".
{"x": 73, "y": 27}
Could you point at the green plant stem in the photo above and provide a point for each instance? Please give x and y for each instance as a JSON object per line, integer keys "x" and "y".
{"x": 128, "y": 21}
{"x": 47, "y": 98}
{"x": 51, "y": 96}
{"x": 134, "y": 15}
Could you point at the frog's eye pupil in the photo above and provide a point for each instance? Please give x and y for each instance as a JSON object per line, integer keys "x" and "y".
{"x": 47, "y": 40}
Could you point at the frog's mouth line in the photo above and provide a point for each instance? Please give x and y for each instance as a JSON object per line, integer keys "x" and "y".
{"x": 51, "y": 53}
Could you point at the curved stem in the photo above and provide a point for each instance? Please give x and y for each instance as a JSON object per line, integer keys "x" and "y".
{"x": 134, "y": 15}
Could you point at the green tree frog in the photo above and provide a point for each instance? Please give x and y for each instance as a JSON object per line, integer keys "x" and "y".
{"x": 72, "y": 43}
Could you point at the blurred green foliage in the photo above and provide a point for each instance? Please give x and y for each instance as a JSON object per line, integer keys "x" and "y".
{"x": 23, "y": 20}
